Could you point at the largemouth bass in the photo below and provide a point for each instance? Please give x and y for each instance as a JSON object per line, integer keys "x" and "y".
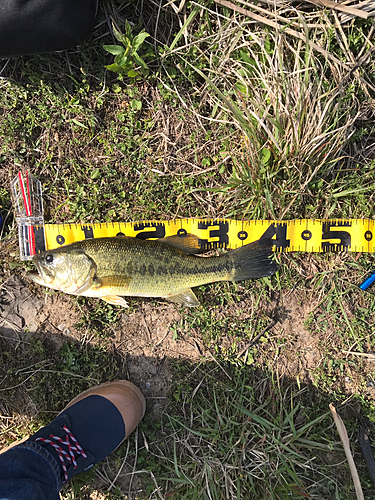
{"x": 111, "y": 268}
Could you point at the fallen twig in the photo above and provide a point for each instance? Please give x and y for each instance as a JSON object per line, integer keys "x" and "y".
{"x": 363, "y": 354}
{"x": 256, "y": 338}
{"x": 366, "y": 6}
{"x": 345, "y": 442}
{"x": 352, "y": 11}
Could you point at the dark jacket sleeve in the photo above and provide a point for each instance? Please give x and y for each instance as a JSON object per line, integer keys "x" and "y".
{"x": 36, "y": 26}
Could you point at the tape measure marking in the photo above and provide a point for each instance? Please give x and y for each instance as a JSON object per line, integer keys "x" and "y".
{"x": 305, "y": 235}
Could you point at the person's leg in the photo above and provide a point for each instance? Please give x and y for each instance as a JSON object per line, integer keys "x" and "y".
{"x": 29, "y": 472}
{"x": 93, "y": 425}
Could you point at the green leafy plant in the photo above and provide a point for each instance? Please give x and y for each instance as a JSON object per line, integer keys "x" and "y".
{"x": 127, "y": 59}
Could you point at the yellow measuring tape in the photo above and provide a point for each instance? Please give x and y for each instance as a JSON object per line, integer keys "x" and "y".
{"x": 304, "y": 235}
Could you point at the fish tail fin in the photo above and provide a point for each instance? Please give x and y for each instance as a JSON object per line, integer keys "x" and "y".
{"x": 253, "y": 260}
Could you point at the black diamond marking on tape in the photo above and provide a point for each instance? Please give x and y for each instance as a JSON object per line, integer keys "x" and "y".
{"x": 60, "y": 239}
{"x": 120, "y": 234}
{"x": 181, "y": 232}
{"x": 368, "y": 235}
{"x": 242, "y": 235}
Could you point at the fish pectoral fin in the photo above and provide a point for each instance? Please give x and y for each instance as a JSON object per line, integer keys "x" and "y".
{"x": 115, "y": 300}
{"x": 185, "y": 298}
{"x": 86, "y": 285}
{"x": 189, "y": 243}
{"x": 111, "y": 282}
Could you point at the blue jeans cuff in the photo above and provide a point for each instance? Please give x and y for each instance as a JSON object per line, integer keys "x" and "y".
{"x": 37, "y": 448}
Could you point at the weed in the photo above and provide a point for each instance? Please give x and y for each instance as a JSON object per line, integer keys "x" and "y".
{"x": 53, "y": 377}
{"x": 127, "y": 59}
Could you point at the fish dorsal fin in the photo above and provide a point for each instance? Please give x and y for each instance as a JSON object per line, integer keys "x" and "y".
{"x": 185, "y": 298}
{"x": 115, "y": 300}
{"x": 189, "y": 243}
{"x": 111, "y": 282}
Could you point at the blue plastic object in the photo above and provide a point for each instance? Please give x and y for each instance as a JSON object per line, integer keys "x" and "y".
{"x": 368, "y": 281}
{"x": 1, "y": 220}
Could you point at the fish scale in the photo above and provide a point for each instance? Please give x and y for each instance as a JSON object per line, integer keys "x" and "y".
{"x": 115, "y": 267}
{"x": 159, "y": 268}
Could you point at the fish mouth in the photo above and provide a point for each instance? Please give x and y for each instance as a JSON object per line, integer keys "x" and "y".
{"x": 41, "y": 275}
{"x": 36, "y": 277}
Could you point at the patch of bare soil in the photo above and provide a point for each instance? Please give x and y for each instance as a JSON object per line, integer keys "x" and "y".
{"x": 297, "y": 350}
{"x": 143, "y": 338}
{"x": 299, "y": 354}
{"x": 146, "y": 339}
{"x": 22, "y": 313}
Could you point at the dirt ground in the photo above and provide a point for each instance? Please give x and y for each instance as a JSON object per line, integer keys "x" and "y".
{"x": 147, "y": 340}
{"x": 143, "y": 337}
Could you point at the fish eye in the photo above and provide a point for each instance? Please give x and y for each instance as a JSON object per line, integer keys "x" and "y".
{"x": 49, "y": 258}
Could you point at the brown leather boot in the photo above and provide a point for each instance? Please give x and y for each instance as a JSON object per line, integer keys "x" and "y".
{"x": 127, "y": 398}
{"x": 90, "y": 427}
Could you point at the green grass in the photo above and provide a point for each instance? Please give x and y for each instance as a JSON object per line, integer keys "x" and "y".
{"x": 240, "y": 433}
{"x": 232, "y": 120}
{"x": 53, "y": 375}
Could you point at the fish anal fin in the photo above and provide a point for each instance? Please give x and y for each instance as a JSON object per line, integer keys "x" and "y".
{"x": 189, "y": 243}
{"x": 115, "y": 300}
{"x": 185, "y": 298}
